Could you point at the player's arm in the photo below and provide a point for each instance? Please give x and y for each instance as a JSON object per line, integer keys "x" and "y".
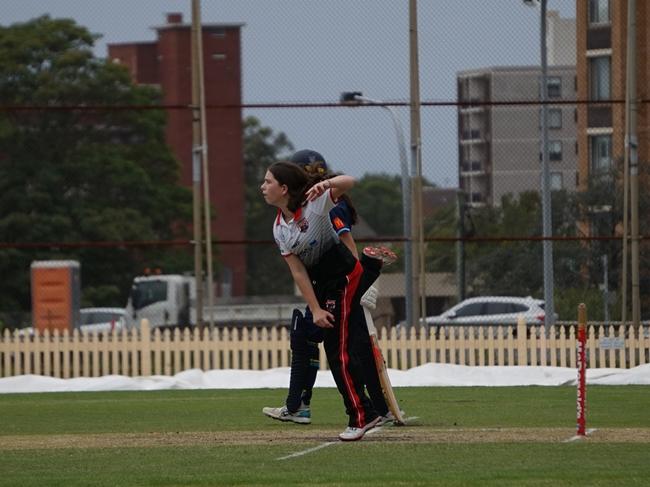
{"x": 338, "y": 185}
{"x": 322, "y": 318}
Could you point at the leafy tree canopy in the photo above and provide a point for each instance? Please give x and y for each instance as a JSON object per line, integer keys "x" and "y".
{"x": 262, "y": 147}
{"x": 378, "y": 200}
{"x": 78, "y": 175}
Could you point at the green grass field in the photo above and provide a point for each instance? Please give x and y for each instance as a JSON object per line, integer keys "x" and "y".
{"x": 462, "y": 436}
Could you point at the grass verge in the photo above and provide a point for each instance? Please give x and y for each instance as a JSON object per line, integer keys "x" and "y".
{"x": 227, "y": 441}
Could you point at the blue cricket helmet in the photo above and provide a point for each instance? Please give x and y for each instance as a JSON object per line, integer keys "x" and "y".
{"x": 313, "y": 162}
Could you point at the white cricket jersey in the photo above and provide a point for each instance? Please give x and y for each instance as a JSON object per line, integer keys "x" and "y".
{"x": 309, "y": 234}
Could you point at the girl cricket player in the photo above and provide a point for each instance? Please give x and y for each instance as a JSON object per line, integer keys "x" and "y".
{"x": 305, "y": 336}
{"x": 327, "y": 275}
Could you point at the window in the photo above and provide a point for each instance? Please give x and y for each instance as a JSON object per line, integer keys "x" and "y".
{"x": 599, "y": 11}
{"x": 148, "y": 292}
{"x": 472, "y": 134}
{"x": 471, "y": 309}
{"x": 497, "y": 308}
{"x": 600, "y": 153}
{"x": 476, "y": 198}
{"x": 556, "y": 181}
{"x": 599, "y": 77}
{"x": 555, "y": 118}
{"x": 518, "y": 308}
{"x": 554, "y": 87}
{"x": 471, "y": 166}
{"x": 554, "y": 150}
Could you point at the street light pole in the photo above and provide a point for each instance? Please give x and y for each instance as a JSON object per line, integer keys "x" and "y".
{"x": 349, "y": 97}
{"x": 417, "y": 226}
{"x": 547, "y": 225}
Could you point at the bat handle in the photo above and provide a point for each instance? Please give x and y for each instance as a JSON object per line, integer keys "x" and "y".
{"x": 369, "y": 322}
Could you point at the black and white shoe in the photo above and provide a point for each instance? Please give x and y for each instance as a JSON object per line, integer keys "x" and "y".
{"x": 353, "y": 434}
{"x": 302, "y": 416}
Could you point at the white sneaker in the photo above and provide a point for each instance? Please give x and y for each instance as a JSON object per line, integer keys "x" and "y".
{"x": 353, "y": 434}
{"x": 302, "y": 416}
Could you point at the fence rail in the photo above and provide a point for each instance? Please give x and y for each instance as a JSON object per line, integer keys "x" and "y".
{"x": 145, "y": 352}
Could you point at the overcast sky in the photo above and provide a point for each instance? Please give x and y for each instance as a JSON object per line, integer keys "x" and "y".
{"x": 312, "y": 50}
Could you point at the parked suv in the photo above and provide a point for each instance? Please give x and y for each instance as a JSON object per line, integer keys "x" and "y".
{"x": 491, "y": 310}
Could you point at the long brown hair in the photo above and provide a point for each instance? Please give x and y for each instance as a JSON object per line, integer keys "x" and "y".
{"x": 296, "y": 179}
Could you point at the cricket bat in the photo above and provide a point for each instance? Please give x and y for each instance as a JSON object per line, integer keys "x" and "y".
{"x": 382, "y": 371}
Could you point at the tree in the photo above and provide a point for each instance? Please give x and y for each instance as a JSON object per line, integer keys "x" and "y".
{"x": 441, "y": 256}
{"x": 269, "y": 274}
{"x": 602, "y": 209}
{"x": 70, "y": 175}
{"x": 378, "y": 200}
{"x": 516, "y": 267}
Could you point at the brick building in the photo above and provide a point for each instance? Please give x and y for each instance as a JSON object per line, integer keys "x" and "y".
{"x": 601, "y": 53}
{"x": 166, "y": 63}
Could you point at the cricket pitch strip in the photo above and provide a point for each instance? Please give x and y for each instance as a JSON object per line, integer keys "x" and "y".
{"x": 308, "y": 436}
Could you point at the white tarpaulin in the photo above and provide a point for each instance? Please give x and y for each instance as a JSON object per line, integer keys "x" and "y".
{"x": 425, "y": 375}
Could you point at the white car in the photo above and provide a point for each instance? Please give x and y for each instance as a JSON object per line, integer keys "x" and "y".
{"x": 103, "y": 319}
{"x": 492, "y": 310}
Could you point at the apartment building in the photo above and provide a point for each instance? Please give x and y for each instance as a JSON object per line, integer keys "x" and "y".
{"x": 499, "y": 123}
{"x": 499, "y": 148}
{"x": 601, "y": 74}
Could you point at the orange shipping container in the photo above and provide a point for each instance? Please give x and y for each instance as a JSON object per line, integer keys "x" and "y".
{"x": 56, "y": 290}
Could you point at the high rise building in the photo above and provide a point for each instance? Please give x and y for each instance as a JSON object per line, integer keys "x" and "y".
{"x": 499, "y": 142}
{"x": 499, "y": 148}
{"x": 166, "y": 63}
{"x": 601, "y": 74}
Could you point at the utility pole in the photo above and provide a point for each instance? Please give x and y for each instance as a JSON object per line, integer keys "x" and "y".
{"x": 196, "y": 164}
{"x": 631, "y": 152}
{"x": 417, "y": 238}
{"x": 461, "y": 208}
{"x": 605, "y": 289}
{"x": 196, "y": 13}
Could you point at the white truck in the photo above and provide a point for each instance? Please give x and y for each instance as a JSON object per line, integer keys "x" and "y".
{"x": 168, "y": 301}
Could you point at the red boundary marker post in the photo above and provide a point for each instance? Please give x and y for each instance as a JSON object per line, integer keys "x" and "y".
{"x": 582, "y": 368}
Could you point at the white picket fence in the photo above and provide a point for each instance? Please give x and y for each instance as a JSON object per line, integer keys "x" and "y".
{"x": 143, "y": 352}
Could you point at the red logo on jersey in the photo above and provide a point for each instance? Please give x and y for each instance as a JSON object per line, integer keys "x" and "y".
{"x": 303, "y": 225}
{"x": 338, "y": 223}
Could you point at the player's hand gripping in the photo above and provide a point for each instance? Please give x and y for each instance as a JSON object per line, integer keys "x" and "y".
{"x": 323, "y": 318}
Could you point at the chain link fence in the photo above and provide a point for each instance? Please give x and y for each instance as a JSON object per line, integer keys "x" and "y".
{"x": 275, "y": 78}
